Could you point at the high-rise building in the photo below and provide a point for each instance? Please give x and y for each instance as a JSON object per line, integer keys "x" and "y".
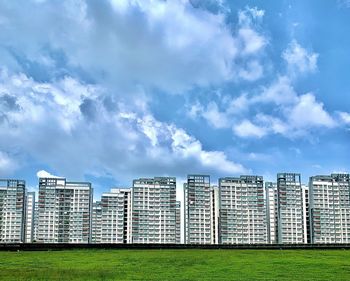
{"x": 242, "y": 210}
{"x": 12, "y": 210}
{"x": 290, "y": 226}
{"x": 154, "y": 210}
{"x": 198, "y": 210}
{"x": 112, "y": 217}
{"x": 30, "y": 209}
{"x": 215, "y": 202}
{"x": 35, "y": 221}
{"x": 330, "y": 208}
{"x": 64, "y": 211}
{"x": 306, "y": 213}
{"x": 178, "y": 222}
{"x": 271, "y": 211}
{"x": 96, "y": 223}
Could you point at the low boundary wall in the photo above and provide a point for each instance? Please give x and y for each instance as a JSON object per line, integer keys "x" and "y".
{"x": 64, "y": 246}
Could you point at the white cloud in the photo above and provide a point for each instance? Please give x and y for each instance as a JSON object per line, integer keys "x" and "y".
{"x": 252, "y": 41}
{"x": 195, "y": 110}
{"x": 182, "y": 46}
{"x": 280, "y": 92}
{"x": 247, "y": 129}
{"x": 277, "y": 109}
{"x": 252, "y": 72}
{"x": 75, "y": 137}
{"x": 45, "y": 174}
{"x": 299, "y": 60}
{"x": 307, "y": 112}
{"x": 238, "y": 105}
{"x": 247, "y": 16}
{"x": 215, "y": 118}
{"x": 211, "y": 113}
{"x": 273, "y": 124}
{"x": 7, "y": 164}
{"x": 344, "y": 117}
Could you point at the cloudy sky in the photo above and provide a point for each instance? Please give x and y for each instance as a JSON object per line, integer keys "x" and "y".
{"x": 108, "y": 91}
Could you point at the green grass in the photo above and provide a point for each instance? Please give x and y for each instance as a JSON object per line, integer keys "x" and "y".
{"x": 176, "y": 265}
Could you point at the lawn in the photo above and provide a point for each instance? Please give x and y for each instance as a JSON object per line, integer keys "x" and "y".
{"x": 176, "y": 265}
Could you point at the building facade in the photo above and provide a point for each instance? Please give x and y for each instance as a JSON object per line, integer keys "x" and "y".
{"x": 306, "y": 213}
{"x": 290, "y": 226}
{"x": 242, "y": 210}
{"x": 271, "y": 211}
{"x": 30, "y": 213}
{"x": 64, "y": 211}
{"x": 215, "y": 206}
{"x": 154, "y": 209}
{"x": 12, "y": 210}
{"x": 330, "y": 208}
{"x": 112, "y": 217}
{"x": 96, "y": 223}
{"x": 198, "y": 210}
{"x": 178, "y": 222}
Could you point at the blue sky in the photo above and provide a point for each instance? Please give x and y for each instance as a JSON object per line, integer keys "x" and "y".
{"x": 108, "y": 91}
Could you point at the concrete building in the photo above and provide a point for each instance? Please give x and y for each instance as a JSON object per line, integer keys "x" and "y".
{"x": 330, "y": 208}
{"x": 96, "y": 223}
{"x": 35, "y": 221}
{"x": 215, "y": 202}
{"x": 112, "y": 217}
{"x": 12, "y": 210}
{"x": 242, "y": 210}
{"x": 306, "y": 213}
{"x": 198, "y": 210}
{"x": 290, "y": 209}
{"x": 29, "y": 224}
{"x": 154, "y": 210}
{"x": 64, "y": 211}
{"x": 271, "y": 211}
{"x": 178, "y": 222}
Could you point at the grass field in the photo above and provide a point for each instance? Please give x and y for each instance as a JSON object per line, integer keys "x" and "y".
{"x": 176, "y": 265}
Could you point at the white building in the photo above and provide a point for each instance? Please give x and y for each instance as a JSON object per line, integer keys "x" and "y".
{"x": 35, "y": 221}
{"x": 64, "y": 211}
{"x": 30, "y": 212}
{"x": 242, "y": 210}
{"x": 290, "y": 209}
{"x": 330, "y": 208}
{"x": 154, "y": 210}
{"x": 96, "y": 223}
{"x": 112, "y": 217}
{"x": 198, "y": 210}
{"x": 271, "y": 211}
{"x": 178, "y": 222}
{"x": 306, "y": 213}
{"x": 12, "y": 211}
{"x": 215, "y": 202}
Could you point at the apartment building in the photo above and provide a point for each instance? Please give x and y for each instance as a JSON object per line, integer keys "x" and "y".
{"x": 12, "y": 210}
{"x": 271, "y": 211}
{"x": 178, "y": 223}
{"x": 64, "y": 211}
{"x": 154, "y": 210}
{"x": 290, "y": 226}
{"x": 242, "y": 210}
{"x": 198, "y": 210}
{"x": 215, "y": 202}
{"x": 306, "y": 213}
{"x": 330, "y": 208}
{"x": 29, "y": 217}
{"x": 112, "y": 217}
{"x": 35, "y": 221}
{"x": 96, "y": 223}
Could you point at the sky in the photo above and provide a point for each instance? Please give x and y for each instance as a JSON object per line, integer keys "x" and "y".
{"x": 108, "y": 91}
